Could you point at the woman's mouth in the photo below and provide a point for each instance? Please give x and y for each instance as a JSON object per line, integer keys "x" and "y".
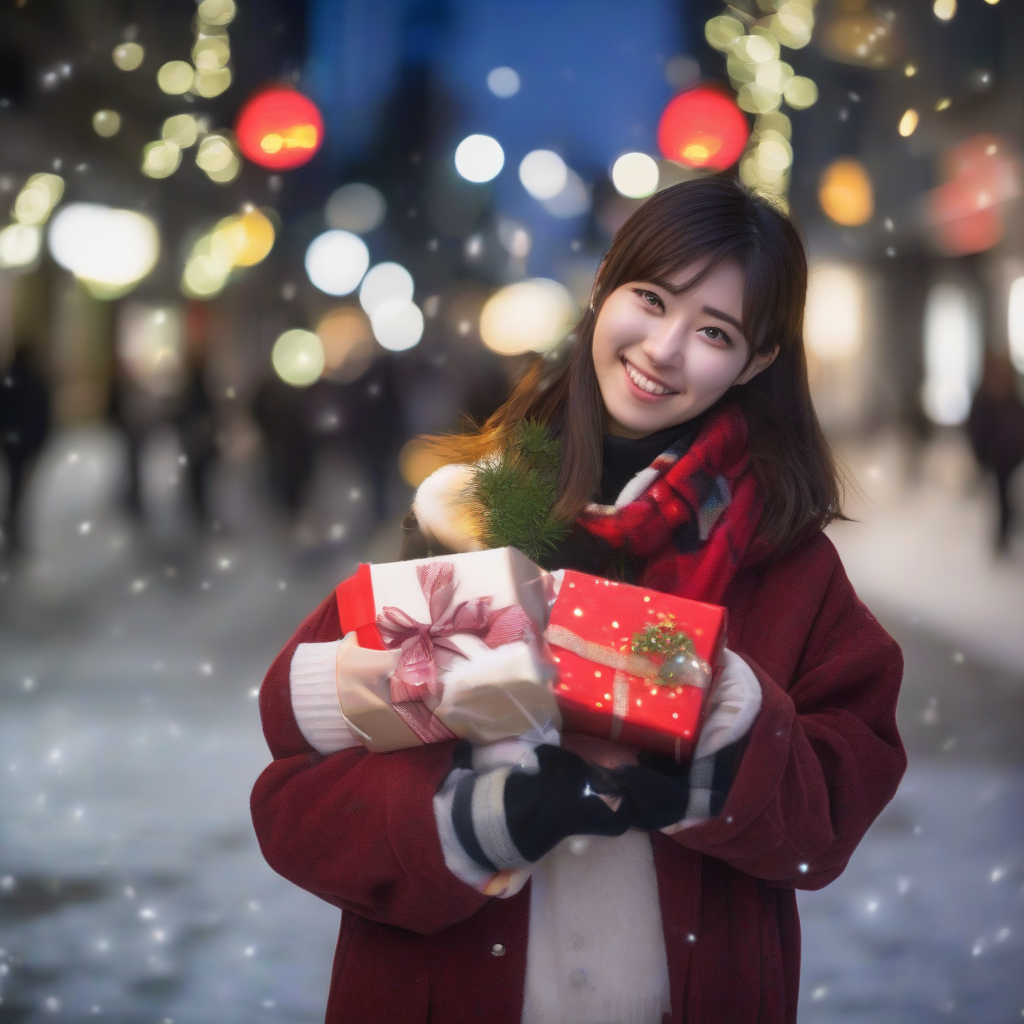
{"x": 644, "y": 387}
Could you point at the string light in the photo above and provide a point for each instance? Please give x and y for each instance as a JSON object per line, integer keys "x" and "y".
{"x": 106, "y": 123}
{"x": 944, "y": 9}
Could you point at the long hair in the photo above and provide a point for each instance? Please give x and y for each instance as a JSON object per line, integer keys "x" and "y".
{"x": 705, "y": 222}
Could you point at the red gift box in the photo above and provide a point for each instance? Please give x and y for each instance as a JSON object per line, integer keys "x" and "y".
{"x": 635, "y": 665}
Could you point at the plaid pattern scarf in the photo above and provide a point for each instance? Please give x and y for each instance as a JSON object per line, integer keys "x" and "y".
{"x": 691, "y": 514}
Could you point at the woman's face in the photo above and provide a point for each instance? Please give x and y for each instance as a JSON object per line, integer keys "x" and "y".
{"x": 663, "y": 356}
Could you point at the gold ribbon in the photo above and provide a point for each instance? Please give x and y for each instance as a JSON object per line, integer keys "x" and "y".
{"x": 622, "y": 661}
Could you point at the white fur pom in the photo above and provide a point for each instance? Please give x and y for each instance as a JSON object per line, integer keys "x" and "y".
{"x": 443, "y": 509}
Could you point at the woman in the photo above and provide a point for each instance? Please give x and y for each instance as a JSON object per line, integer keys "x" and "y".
{"x": 692, "y": 463}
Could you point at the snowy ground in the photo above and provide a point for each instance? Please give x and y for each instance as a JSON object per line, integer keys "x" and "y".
{"x": 131, "y": 888}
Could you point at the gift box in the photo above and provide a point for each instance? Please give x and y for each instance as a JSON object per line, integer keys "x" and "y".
{"x": 634, "y": 665}
{"x": 472, "y": 662}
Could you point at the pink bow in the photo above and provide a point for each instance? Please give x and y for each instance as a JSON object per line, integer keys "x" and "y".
{"x": 415, "y": 678}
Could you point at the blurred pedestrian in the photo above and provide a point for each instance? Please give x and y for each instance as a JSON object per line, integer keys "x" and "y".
{"x": 996, "y": 430}
{"x": 24, "y": 427}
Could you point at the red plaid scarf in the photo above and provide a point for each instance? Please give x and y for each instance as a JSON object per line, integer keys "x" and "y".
{"x": 695, "y": 521}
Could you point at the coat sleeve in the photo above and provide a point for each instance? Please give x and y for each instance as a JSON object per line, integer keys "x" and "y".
{"x": 355, "y": 828}
{"x": 824, "y": 756}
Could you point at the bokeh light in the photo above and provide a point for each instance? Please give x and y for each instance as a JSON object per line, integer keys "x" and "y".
{"x": 128, "y": 56}
{"x": 212, "y": 82}
{"x": 150, "y": 345}
{"x": 336, "y": 261}
{"x": 944, "y": 9}
{"x": 952, "y": 353}
{"x": 37, "y": 198}
{"x": 572, "y": 201}
{"x": 834, "y": 316}
{"x": 106, "y": 123}
{"x": 349, "y": 345}
{"x": 216, "y": 156}
{"x": 355, "y": 207}
{"x": 243, "y": 241}
{"x": 160, "y": 159}
{"x": 528, "y": 316}
{"x": 109, "y": 249}
{"x": 217, "y": 12}
{"x": 479, "y": 158}
{"x": 175, "y": 77}
{"x": 211, "y": 52}
{"x": 181, "y": 130}
{"x": 908, "y": 123}
{"x": 397, "y": 324}
{"x": 635, "y": 175}
{"x": 793, "y": 23}
{"x": 703, "y": 128}
{"x": 279, "y": 128}
{"x": 386, "y": 282}
{"x": 298, "y": 358}
{"x": 543, "y": 173}
{"x": 1014, "y": 322}
{"x": 800, "y": 92}
{"x": 845, "y": 193}
{"x": 417, "y": 460}
{"x": 503, "y": 82}
{"x": 861, "y": 38}
{"x": 19, "y": 245}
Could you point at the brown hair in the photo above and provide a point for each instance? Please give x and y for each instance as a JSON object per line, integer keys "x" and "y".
{"x": 707, "y": 222}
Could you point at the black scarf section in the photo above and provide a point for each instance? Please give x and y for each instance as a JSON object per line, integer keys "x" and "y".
{"x": 623, "y": 458}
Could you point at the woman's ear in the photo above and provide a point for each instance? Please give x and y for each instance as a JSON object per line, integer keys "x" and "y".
{"x": 761, "y": 361}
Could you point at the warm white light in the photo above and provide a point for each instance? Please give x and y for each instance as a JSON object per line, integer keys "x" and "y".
{"x": 908, "y": 123}
{"x": 175, "y": 77}
{"x": 944, "y": 9}
{"x": 106, "y": 123}
{"x": 214, "y": 154}
{"x": 529, "y": 316}
{"x": 298, "y": 358}
{"x": 386, "y": 282}
{"x": 1015, "y": 323}
{"x": 952, "y": 353}
{"x": 503, "y": 82}
{"x": 114, "y": 249}
{"x": 543, "y": 173}
{"x": 834, "y": 315}
{"x": 635, "y": 175}
{"x": 479, "y": 158}
{"x": 19, "y": 245}
{"x": 336, "y": 262}
{"x": 211, "y": 52}
{"x": 204, "y": 276}
{"x": 397, "y": 325}
{"x": 128, "y": 56}
{"x": 355, "y": 207}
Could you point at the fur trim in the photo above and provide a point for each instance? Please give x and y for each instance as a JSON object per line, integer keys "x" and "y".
{"x": 444, "y": 512}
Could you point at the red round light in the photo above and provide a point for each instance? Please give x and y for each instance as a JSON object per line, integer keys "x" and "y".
{"x": 279, "y": 128}
{"x": 703, "y": 128}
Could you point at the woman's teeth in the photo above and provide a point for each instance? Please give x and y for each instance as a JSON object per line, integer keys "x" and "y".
{"x": 643, "y": 382}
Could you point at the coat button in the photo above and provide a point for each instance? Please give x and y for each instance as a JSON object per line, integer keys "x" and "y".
{"x": 497, "y": 949}
{"x": 578, "y": 978}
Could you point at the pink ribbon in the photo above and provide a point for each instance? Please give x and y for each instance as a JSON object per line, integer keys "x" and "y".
{"x": 416, "y": 677}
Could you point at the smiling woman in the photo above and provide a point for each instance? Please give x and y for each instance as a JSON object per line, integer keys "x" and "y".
{"x": 697, "y": 304}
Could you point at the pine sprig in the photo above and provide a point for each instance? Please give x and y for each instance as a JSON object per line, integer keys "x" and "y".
{"x": 662, "y": 638}
{"x": 516, "y": 490}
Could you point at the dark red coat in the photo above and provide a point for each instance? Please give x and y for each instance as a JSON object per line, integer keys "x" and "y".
{"x": 824, "y": 758}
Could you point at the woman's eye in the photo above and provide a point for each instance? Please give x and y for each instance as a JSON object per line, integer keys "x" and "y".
{"x": 650, "y": 298}
{"x": 716, "y": 334}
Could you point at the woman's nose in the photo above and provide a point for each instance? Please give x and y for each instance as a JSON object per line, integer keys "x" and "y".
{"x": 665, "y": 346}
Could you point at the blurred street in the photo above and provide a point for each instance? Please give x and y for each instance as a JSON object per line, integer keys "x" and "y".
{"x": 133, "y": 890}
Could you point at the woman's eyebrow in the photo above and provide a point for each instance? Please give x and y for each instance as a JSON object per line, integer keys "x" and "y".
{"x": 711, "y": 311}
